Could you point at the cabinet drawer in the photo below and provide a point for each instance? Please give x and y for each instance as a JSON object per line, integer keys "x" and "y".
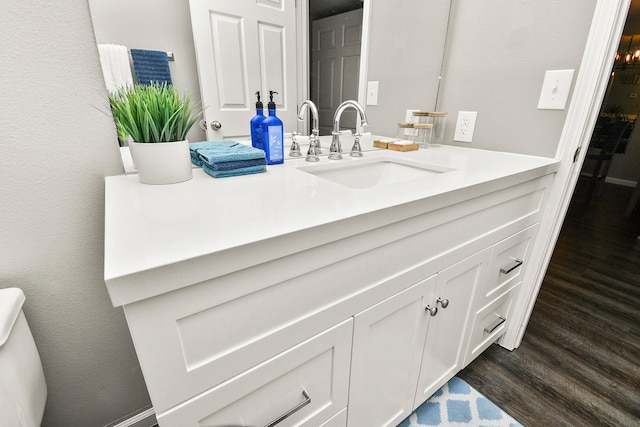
{"x": 309, "y": 383}
{"x": 339, "y": 420}
{"x": 507, "y": 264}
{"x": 490, "y": 323}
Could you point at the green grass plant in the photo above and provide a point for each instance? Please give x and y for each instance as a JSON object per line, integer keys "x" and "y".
{"x": 153, "y": 113}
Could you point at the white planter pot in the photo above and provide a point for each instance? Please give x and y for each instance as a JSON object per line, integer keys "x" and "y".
{"x": 162, "y": 162}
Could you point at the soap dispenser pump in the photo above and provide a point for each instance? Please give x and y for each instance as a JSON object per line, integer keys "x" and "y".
{"x": 273, "y": 133}
{"x": 257, "y": 136}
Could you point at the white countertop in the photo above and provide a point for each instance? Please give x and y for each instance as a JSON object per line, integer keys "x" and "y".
{"x": 212, "y": 224}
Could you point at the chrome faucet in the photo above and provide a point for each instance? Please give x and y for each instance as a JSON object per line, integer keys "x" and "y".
{"x": 335, "y": 151}
{"x": 314, "y": 140}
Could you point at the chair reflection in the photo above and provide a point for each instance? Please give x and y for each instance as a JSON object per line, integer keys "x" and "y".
{"x": 609, "y": 138}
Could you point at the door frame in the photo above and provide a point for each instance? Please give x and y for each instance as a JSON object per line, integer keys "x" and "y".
{"x": 302, "y": 58}
{"x": 595, "y": 68}
{"x": 302, "y": 51}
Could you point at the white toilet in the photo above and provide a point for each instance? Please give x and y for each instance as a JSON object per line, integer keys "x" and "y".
{"x": 23, "y": 391}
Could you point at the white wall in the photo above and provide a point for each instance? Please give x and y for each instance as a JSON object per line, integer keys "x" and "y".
{"x": 497, "y": 57}
{"x": 56, "y": 147}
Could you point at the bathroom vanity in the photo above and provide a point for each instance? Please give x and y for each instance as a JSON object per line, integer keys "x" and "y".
{"x": 306, "y": 297}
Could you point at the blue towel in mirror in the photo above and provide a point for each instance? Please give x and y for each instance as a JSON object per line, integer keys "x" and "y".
{"x": 151, "y": 66}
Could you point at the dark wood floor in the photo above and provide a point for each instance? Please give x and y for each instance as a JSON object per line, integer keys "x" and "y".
{"x": 579, "y": 362}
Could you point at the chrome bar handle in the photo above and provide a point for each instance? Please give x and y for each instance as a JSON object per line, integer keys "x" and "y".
{"x": 494, "y": 325}
{"x": 516, "y": 263}
{"x": 293, "y": 410}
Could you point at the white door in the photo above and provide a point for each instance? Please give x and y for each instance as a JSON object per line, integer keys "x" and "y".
{"x": 388, "y": 339}
{"x": 244, "y": 46}
{"x": 335, "y": 58}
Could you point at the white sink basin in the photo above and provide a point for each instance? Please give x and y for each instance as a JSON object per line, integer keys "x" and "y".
{"x": 372, "y": 172}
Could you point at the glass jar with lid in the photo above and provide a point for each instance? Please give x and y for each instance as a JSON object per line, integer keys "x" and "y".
{"x": 422, "y": 134}
{"x": 439, "y": 120}
{"x": 405, "y": 131}
{"x": 420, "y": 117}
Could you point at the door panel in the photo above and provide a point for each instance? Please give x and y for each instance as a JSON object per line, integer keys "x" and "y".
{"x": 387, "y": 348}
{"x": 244, "y": 46}
{"x": 446, "y": 337}
{"x": 335, "y": 58}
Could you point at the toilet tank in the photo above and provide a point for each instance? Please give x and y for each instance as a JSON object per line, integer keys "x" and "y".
{"x": 23, "y": 391}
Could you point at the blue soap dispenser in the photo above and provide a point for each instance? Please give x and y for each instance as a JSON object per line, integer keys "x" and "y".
{"x": 273, "y": 134}
{"x": 256, "y": 125}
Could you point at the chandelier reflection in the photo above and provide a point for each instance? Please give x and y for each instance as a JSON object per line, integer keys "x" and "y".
{"x": 629, "y": 58}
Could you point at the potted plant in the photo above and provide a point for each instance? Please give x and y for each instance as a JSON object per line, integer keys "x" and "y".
{"x": 157, "y": 119}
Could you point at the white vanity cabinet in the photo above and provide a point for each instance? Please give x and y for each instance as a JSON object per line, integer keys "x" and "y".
{"x": 313, "y": 304}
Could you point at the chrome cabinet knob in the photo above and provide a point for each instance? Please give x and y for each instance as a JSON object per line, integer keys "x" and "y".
{"x": 432, "y": 310}
{"x": 444, "y": 303}
{"x": 216, "y": 125}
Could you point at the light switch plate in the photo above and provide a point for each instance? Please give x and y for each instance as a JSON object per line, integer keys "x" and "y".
{"x": 555, "y": 89}
{"x": 409, "y": 117}
{"x": 372, "y": 93}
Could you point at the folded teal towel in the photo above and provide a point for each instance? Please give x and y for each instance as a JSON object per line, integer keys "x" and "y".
{"x": 229, "y": 151}
{"x": 225, "y": 166}
{"x": 233, "y": 172}
{"x": 195, "y": 146}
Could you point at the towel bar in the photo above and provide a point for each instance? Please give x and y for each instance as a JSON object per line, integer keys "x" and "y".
{"x": 170, "y": 56}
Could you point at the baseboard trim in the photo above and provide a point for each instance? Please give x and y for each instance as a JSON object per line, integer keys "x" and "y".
{"x": 144, "y": 418}
{"x": 617, "y": 181}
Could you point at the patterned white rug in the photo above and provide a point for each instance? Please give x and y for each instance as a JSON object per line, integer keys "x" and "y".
{"x": 458, "y": 404}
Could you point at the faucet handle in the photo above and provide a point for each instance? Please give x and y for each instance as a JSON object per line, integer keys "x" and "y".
{"x": 356, "y": 150}
{"x": 295, "y": 147}
{"x": 335, "y": 150}
{"x": 316, "y": 134}
{"x": 312, "y": 153}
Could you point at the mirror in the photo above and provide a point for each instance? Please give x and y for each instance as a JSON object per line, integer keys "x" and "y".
{"x": 403, "y": 51}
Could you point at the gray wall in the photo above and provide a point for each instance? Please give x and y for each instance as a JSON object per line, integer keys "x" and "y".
{"x": 57, "y": 146}
{"x": 405, "y": 54}
{"x": 497, "y": 57}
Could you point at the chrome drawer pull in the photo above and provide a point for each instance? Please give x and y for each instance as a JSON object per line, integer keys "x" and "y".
{"x": 293, "y": 410}
{"x": 517, "y": 263}
{"x": 493, "y": 326}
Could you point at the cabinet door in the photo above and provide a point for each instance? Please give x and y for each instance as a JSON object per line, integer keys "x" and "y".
{"x": 447, "y": 333}
{"x": 388, "y": 339}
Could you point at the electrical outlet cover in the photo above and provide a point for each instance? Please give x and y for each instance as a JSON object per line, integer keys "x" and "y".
{"x": 465, "y": 125}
